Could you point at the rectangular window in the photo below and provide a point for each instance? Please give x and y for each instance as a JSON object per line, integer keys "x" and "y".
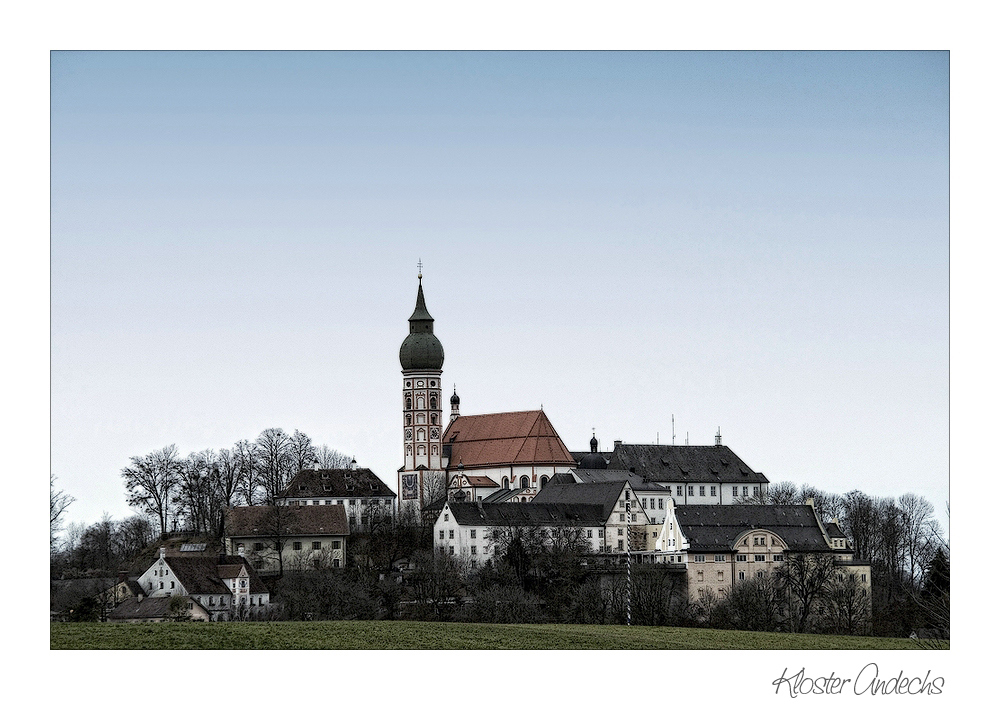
{"x": 701, "y": 491}
{"x": 473, "y": 550}
{"x": 336, "y": 544}
{"x": 779, "y": 558}
{"x": 720, "y": 558}
{"x": 621, "y": 544}
{"x": 315, "y": 502}
{"x": 670, "y": 490}
{"x": 690, "y": 490}
{"x": 744, "y": 491}
{"x": 621, "y": 503}
{"x": 713, "y": 491}
{"x": 701, "y": 576}
{"x": 721, "y": 576}
{"x": 621, "y": 517}
{"x": 743, "y": 575}
{"x": 451, "y": 549}
{"x": 758, "y": 558}
{"x": 756, "y": 491}
{"x": 329, "y": 502}
{"x": 741, "y": 558}
{"x": 699, "y": 558}
{"x": 620, "y": 531}
{"x": 661, "y": 500}
{"x": 600, "y": 532}
{"x": 440, "y": 534}
{"x": 760, "y": 573}
{"x": 336, "y": 562}
{"x": 171, "y": 584}
{"x": 590, "y": 533}
{"x": 316, "y": 545}
{"x": 258, "y": 546}
{"x": 351, "y": 501}
{"x": 340, "y": 502}
{"x": 296, "y": 546}
{"x": 451, "y": 534}
{"x": 644, "y": 503}
{"x": 472, "y": 533}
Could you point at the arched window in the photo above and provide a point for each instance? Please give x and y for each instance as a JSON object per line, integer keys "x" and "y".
{"x": 525, "y": 481}
{"x": 421, "y": 436}
{"x": 409, "y": 419}
{"x": 506, "y": 483}
{"x": 420, "y": 418}
{"x": 434, "y": 402}
{"x": 434, "y": 419}
{"x": 420, "y": 402}
{"x": 409, "y": 403}
{"x": 543, "y": 479}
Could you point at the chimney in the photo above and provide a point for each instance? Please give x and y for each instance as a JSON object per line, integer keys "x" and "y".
{"x": 163, "y": 552}
{"x": 617, "y": 443}
{"x": 811, "y": 502}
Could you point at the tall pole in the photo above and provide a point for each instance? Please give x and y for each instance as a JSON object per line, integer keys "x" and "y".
{"x": 628, "y": 559}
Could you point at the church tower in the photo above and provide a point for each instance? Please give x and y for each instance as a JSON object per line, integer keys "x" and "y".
{"x": 421, "y": 479}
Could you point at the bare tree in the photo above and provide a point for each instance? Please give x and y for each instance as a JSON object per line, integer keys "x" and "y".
{"x": 275, "y": 461}
{"x": 58, "y": 502}
{"x": 151, "y": 482}
{"x": 847, "y": 606}
{"x": 248, "y": 483}
{"x": 805, "y": 577}
{"x": 329, "y": 458}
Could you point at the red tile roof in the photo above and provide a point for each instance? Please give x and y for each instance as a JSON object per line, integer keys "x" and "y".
{"x": 511, "y": 438}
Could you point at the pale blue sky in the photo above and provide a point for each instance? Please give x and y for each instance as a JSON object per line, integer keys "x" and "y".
{"x": 757, "y": 241}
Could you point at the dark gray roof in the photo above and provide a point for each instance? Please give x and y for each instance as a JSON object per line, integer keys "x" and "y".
{"x": 421, "y": 350}
{"x": 712, "y": 528}
{"x": 145, "y": 609}
{"x": 533, "y": 513}
{"x": 290, "y": 521}
{"x": 834, "y": 531}
{"x": 332, "y": 482}
{"x": 684, "y": 463}
{"x": 605, "y": 494}
{"x": 634, "y": 481}
{"x": 502, "y": 495}
{"x": 201, "y": 574}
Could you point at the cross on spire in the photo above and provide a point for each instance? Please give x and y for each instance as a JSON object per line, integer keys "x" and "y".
{"x": 420, "y": 269}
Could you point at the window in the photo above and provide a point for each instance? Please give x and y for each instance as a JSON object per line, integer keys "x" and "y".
{"x": 721, "y": 576}
{"x": 621, "y": 518}
{"x": 161, "y": 584}
{"x": 720, "y": 558}
{"x": 351, "y": 501}
{"x": 779, "y": 557}
{"x": 741, "y": 558}
{"x": 316, "y": 545}
{"x": 446, "y": 517}
{"x": 735, "y": 491}
{"x": 661, "y": 500}
{"x": 336, "y": 562}
{"x": 864, "y": 577}
{"x": 296, "y": 546}
{"x": 701, "y": 491}
{"x": 756, "y": 491}
{"x": 743, "y": 575}
{"x": 340, "y": 502}
{"x": 690, "y": 490}
{"x": 713, "y": 490}
{"x": 451, "y": 534}
{"x": 744, "y": 491}
{"x": 473, "y": 550}
{"x": 472, "y": 533}
{"x": 600, "y": 532}
{"x": 451, "y": 549}
{"x": 621, "y": 544}
{"x": 633, "y": 517}
{"x": 336, "y": 544}
{"x": 620, "y": 531}
{"x": 644, "y": 503}
{"x": 211, "y": 600}
{"x": 328, "y": 502}
{"x": 258, "y": 546}
{"x": 701, "y": 576}
{"x": 440, "y": 534}
{"x": 759, "y": 558}
{"x": 621, "y": 503}
{"x": 171, "y": 584}
{"x": 760, "y": 573}
{"x": 699, "y": 558}
{"x": 243, "y": 583}
{"x": 525, "y": 482}
{"x": 590, "y": 533}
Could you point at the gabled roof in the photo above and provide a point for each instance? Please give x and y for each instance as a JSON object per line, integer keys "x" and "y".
{"x": 684, "y": 463}
{"x": 603, "y": 494}
{"x": 336, "y": 482}
{"x": 146, "y": 609}
{"x": 287, "y": 521}
{"x": 480, "y": 481}
{"x": 503, "y": 495}
{"x": 711, "y": 528}
{"x": 635, "y": 482}
{"x": 519, "y": 514}
{"x": 510, "y": 438}
{"x": 202, "y": 574}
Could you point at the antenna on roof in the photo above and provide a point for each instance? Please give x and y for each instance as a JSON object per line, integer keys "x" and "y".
{"x": 687, "y": 438}
{"x": 718, "y": 436}
{"x": 673, "y": 433}
{"x": 420, "y": 269}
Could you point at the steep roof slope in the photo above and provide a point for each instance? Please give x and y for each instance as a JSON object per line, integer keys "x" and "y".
{"x": 336, "y": 482}
{"x": 301, "y": 520}
{"x": 509, "y": 438}
{"x": 519, "y": 514}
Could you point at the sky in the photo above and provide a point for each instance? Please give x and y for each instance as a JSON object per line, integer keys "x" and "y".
{"x": 751, "y": 242}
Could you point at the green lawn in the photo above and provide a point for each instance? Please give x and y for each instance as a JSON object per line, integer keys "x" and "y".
{"x": 370, "y": 635}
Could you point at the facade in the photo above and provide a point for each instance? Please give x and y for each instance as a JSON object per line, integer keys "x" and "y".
{"x": 281, "y": 537}
{"x": 723, "y": 545}
{"x": 358, "y": 490}
{"x": 223, "y": 587}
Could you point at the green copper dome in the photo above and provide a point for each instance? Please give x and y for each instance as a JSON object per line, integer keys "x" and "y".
{"x": 421, "y": 350}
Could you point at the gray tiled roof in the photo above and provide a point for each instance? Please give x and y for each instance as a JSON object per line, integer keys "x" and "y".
{"x": 333, "y": 482}
{"x": 605, "y": 494}
{"x": 533, "y": 513}
{"x": 684, "y": 463}
{"x": 716, "y": 527}
{"x": 146, "y": 609}
{"x": 201, "y": 574}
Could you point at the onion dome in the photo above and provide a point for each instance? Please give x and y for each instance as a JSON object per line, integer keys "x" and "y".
{"x": 421, "y": 350}
{"x": 594, "y": 460}
{"x": 455, "y": 400}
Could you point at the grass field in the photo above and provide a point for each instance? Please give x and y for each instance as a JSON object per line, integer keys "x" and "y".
{"x": 365, "y": 635}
